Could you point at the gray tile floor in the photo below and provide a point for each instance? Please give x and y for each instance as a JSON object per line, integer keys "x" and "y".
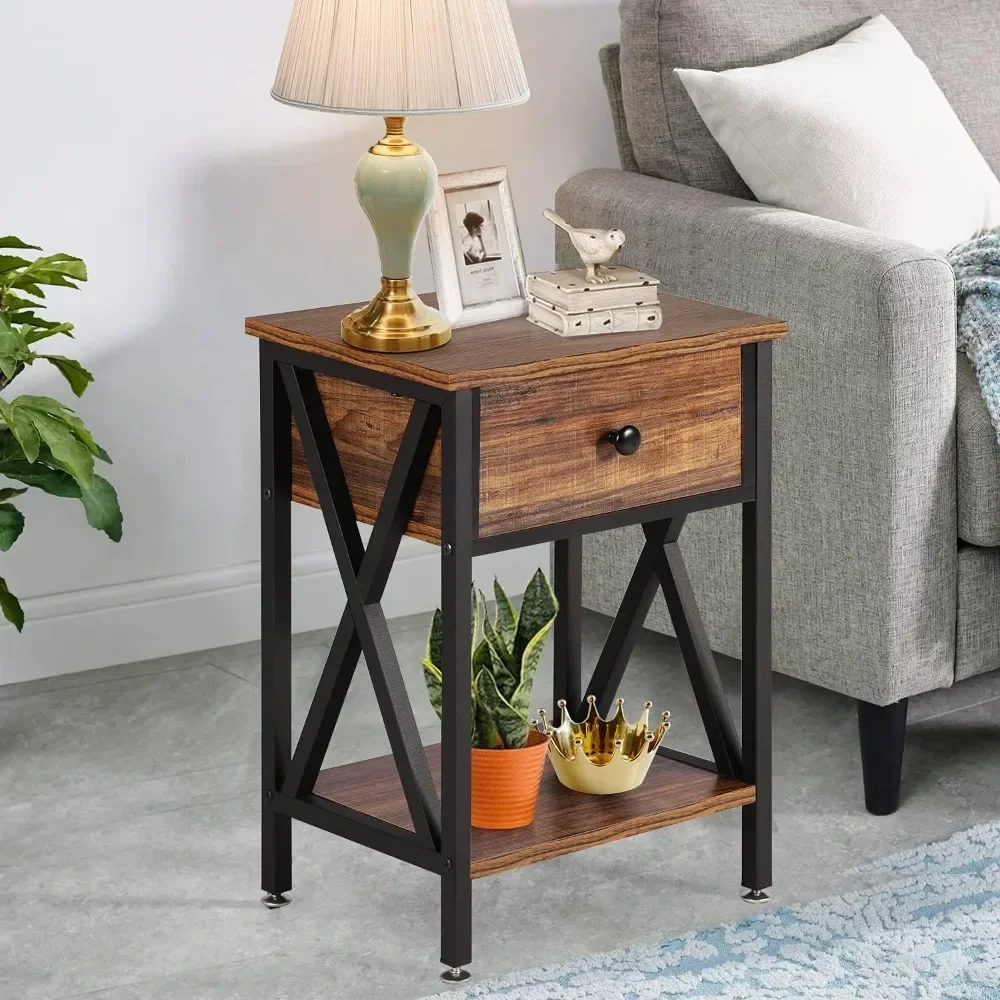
{"x": 130, "y": 840}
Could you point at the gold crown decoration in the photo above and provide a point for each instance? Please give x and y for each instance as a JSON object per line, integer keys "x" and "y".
{"x": 602, "y": 756}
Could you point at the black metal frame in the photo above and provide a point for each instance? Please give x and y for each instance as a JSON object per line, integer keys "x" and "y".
{"x": 440, "y": 840}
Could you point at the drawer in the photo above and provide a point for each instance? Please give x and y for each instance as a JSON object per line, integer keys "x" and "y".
{"x": 544, "y": 453}
{"x": 545, "y": 456}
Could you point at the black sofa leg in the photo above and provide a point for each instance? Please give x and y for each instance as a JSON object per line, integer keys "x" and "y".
{"x": 882, "y": 729}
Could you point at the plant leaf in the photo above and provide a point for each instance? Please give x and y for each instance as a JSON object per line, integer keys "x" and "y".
{"x": 498, "y": 646}
{"x": 66, "y": 447}
{"x": 511, "y": 726}
{"x": 506, "y": 616}
{"x": 432, "y": 678}
{"x": 72, "y": 446}
{"x": 9, "y": 492}
{"x": 100, "y": 502}
{"x": 484, "y": 730}
{"x": 538, "y": 608}
{"x": 11, "y": 606}
{"x": 21, "y": 426}
{"x": 11, "y": 525}
{"x": 52, "y": 480}
{"x": 503, "y": 675}
{"x": 30, "y": 281}
{"x": 74, "y": 373}
{"x": 54, "y": 269}
{"x": 13, "y": 344}
{"x": 13, "y": 243}
{"x": 478, "y": 613}
{"x": 435, "y": 640}
{"x": 61, "y": 263}
{"x": 11, "y": 263}
{"x": 14, "y": 303}
{"x": 521, "y": 699}
{"x": 82, "y": 433}
{"x": 35, "y": 329}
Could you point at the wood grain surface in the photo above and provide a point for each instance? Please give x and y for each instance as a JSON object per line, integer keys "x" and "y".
{"x": 516, "y": 350}
{"x": 565, "y": 821}
{"x": 367, "y": 426}
{"x": 545, "y": 456}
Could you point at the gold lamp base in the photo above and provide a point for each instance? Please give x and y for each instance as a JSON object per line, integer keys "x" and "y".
{"x": 395, "y": 322}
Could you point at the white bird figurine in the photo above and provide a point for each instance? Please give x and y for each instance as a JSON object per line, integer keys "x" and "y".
{"x": 595, "y": 246}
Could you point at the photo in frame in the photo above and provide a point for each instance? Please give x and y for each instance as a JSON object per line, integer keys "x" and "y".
{"x": 476, "y": 249}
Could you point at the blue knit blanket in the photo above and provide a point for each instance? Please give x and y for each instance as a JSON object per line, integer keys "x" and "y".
{"x": 977, "y": 289}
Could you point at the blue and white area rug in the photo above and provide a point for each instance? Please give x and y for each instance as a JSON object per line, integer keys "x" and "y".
{"x": 931, "y": 933}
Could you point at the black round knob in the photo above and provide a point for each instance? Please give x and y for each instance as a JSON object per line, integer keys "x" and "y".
{"x": 626, "y": 440}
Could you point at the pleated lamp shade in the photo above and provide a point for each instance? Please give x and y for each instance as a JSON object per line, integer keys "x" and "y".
{"x": 400, "y": 57}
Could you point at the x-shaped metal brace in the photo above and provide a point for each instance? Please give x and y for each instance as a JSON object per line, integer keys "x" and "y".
{"x": 363, "y": 628}
{"x": 661, "y": 564}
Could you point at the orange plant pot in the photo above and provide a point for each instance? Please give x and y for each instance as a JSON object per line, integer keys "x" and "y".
{"x": 505, "y": 784}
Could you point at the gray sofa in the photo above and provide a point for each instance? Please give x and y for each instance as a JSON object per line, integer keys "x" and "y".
{"x": 886, "y": 469}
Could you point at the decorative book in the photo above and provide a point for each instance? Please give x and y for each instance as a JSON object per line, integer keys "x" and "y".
{"x": 570, "y": 292}
{"x": 623, "y": 319}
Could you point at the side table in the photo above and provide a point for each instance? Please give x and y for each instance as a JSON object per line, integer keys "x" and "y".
{"x": 509, "y": 436}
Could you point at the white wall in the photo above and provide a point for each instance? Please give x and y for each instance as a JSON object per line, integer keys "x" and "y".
{"x": 142, "y": 137}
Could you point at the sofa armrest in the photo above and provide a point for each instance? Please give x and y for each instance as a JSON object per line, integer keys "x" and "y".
{"x": 864, "y": 418}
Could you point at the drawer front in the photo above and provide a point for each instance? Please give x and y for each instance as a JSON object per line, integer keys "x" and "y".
{"x": 367, "y": 427}
{"x": 545, "y": 456}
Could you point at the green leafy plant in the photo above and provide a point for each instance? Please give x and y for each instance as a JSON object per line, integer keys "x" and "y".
{"x": 43, "y": 444}
{"x": 504, "y": 662}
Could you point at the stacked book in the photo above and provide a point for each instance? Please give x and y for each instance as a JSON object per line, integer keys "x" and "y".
{"x": 565, "y": 302}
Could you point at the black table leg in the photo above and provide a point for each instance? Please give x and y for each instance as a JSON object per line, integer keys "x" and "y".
{"x": 757, "y": 818}
{"x": 459, "y": 483}
{"x": 567, "y": 645}
{"x": 276, "y": 611}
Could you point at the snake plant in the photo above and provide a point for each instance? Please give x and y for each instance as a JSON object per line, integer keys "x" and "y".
{"x": 504, "y": 662}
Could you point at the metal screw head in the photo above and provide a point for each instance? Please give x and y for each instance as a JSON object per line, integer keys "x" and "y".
{"x": 268, "y": 795}
{"x": 446, "y": 549}
{"x": 447, "y": 864}
{"x": 267, "y": 494}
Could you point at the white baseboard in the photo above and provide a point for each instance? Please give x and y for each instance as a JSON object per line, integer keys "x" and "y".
{"x": 81, "y": 630}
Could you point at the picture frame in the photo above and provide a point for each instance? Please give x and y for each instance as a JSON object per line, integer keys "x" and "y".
{"x": 475, "y": 248}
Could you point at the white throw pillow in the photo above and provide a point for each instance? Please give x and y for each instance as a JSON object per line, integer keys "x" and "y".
{"x": 857, "y": 131}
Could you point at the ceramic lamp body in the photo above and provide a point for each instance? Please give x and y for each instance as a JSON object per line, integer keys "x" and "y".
{"x": 396, "y": 182}
{"x": 396, "y": 193}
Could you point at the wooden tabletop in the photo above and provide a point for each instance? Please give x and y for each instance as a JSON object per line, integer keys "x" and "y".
{"x": 514, "y": 349}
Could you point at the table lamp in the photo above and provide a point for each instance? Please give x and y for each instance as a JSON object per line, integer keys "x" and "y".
{"x": 395, "y": 58}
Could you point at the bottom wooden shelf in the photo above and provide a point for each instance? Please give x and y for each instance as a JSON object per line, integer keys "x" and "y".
{"x": 565, "y": 821}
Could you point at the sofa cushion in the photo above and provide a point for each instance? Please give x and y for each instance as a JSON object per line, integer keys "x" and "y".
{"x": 959, "y": 40}
{"x": 909, "y": 169}
{"x": 978, "y": 463}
